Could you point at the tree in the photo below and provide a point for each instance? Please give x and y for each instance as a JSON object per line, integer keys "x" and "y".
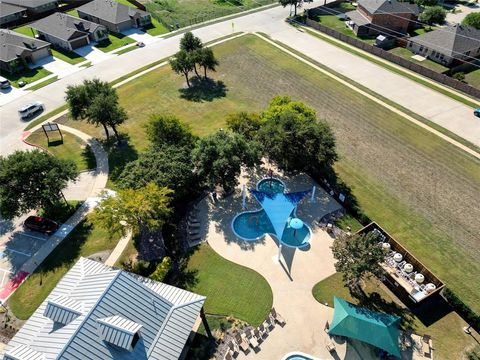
{"x": 218, "y": 158}
{"x": 168, "y": 130}
{"x": 162, "y": 269}
{"x": 293, "y": 137}
{"x": 246, "y": 124}
{"x": 296, "y": 3}
{"x": 433, "y": 15}
{"x": 425, "y": 3}
{"x": 167, "y": 166}
{"x": 32, "y": 179}
{"x": 182, "y": 63}
{"x": 142, "y": 210}
{"x": 207, "y": 60}
{"x": 358, "y": 258}
{"x": 85, "y": 101}
{"x": 192, "y": 45}
{"x": 472, "y": 19}
{"x": 105, "y": 110}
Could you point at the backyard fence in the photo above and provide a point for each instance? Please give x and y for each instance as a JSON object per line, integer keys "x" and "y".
{"x": 441, "y": 78}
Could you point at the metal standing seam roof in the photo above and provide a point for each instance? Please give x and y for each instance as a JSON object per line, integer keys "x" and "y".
{"x": 65, "y": 27}
{"x": 377, "y": 329}
{"x": 166, "y": 315}
{"x": 111, "y": 11}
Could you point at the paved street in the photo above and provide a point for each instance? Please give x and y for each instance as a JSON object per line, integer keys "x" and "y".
{"x": 436, "y": 107}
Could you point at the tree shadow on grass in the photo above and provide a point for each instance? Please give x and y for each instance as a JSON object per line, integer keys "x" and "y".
{"x": 182, "y": 276}
{"x": 202, "y": 347}
{"x": 89, "y": 157}
{"x": 204, "y": 90}
{"x": 119, "y": 155}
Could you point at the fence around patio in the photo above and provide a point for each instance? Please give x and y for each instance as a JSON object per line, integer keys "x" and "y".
{"x": 395, "y": 285}
{"x": 419, "y": 69}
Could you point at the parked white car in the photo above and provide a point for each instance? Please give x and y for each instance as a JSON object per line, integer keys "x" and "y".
{"x": 30, "y": 109}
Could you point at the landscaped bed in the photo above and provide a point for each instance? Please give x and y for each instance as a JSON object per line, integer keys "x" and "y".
{"x": 421, "y": 189}
{"x": 449, "y": 341}
{"x": 71, "y": 148}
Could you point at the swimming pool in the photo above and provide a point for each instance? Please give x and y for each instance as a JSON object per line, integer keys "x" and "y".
{"x": 254, "y": 225}
{"x": 298, "y": 356}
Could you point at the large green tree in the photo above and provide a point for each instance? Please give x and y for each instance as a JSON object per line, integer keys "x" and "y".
{"x": 295, "y": 3}
{"x": 246, "y": 124}
{"x": 31, "y": 180}
{"x": 295, "y": 139}
{"x": 472, "y": 19}
{"x": 218, "y": 158}
{"x": 182, "y": 63}
{"x": 433, "y": 15}
{"x": 358, "y": 257}
{"x": 143, "y": 210}
{"x": 425, "y": 3}
{"x": 95, "y": 101}
{"x": 167, "y": 130}
{"x": 206, "y": 59}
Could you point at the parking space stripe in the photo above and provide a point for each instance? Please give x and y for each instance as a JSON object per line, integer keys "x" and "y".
{"x": 18, "y": 252}
{"x": 33, "y": 236}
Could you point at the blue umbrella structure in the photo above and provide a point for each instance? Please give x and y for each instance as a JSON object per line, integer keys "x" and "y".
{"x": 296, "y": 223}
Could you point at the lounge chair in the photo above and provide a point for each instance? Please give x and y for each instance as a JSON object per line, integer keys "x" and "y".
{"x": 426, "y": 348}
{"x": 232, "y": 345}
{"x": 270, "y": 321}
{"x": 263, "y": 330}
{"x": 278, "y": 317}
{"x": 247, "y": 335}
{"x": 257, "y": 335}
{"x": 228, "y": 355}
{"x": 330, "y": 345}
{"x": 242, "y": 343}
{"x": 193, "y": 225}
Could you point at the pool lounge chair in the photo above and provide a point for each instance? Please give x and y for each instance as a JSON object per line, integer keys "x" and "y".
{"x": 278, "y": 317}
{"x": 248, "y": 336}
{"x": 257, "y": 335}
{"x": 228, "y": 356}
{"x": 232, "y": 345}
{"x": 263, "y": 330}
{"x": 242, "y": 343}
{"x": 330, "y": 345}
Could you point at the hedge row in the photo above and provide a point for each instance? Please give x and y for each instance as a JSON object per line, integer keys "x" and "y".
{"x": 462, "y": 309}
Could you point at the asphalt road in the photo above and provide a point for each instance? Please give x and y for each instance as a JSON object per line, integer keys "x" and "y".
{"x": 436, "y": 107}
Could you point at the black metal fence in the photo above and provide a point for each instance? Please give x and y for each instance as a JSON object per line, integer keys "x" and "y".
{"x": 441, "y": 78}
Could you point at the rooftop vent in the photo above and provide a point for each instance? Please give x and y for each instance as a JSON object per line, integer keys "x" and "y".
{"x": 63, "y": 310}
{"x": 119, "y": 331}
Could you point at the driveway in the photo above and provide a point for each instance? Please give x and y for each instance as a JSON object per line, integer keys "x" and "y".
{"x": 8, "y": 95}
{"x": 92, "y": 54}
{"x": 139, "y": 35}
{"x": 56, "y": 66}
{"x": 460, "y": 12}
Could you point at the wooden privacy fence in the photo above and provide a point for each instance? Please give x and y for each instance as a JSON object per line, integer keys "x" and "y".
{"x": 441, "y": 78}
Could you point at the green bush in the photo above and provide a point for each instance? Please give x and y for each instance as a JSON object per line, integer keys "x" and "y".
{"x": 462, "y": 309}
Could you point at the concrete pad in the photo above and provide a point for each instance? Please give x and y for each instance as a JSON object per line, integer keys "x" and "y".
{"x": 419, "y": 58}
{"x": 8, "y": 95}
{"x": 56, "y": 66}
{"x": 139, "y": 35}
{"x": 92, "y": 54}
{"x": 81, "y": 188}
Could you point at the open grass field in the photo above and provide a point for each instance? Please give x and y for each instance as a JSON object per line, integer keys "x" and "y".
{"x": 188, "y": 12}
{"x": 84, "y": 240}
{"x": 445, "y": 341}
{"x": 421, "y": 189}
{"x": 71, "y": 148}
{"x": 229, "y": 288}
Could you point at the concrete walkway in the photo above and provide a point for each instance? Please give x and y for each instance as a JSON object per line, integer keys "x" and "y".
{"x": 119, "y": 248}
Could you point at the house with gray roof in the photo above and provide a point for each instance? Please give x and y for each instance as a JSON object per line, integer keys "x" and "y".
{"x": 69, "y": 32}
{"x": 99, "y": 312}
{"x": 386, "y": 17}
{"x": 34, "y": 6}
{"x": 17, "y": 50}
{"x": 449, "y": 46}
{"x": 10, "y": 14}
{"x": 115, "y": 16}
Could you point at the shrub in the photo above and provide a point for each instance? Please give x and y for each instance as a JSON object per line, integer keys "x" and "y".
{"x": 462, "y": 309}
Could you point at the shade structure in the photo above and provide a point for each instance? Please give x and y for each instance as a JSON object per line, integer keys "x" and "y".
{"x": 279, "y": 207}
{"x": 374, "y": 328}
{"x": 296, "y": 223}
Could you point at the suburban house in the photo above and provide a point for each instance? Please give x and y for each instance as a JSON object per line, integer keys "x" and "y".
{"x": 449, "y": 45}
{"x": 386, "y": 17}
{"x": 69, "y": 32}
{"x": 115, "y": 16}
{"x": 16, "y": 50}
{"x": 34, "y": 7}
{"x": 99, "y": 312}
{"x": 9, "y": 14}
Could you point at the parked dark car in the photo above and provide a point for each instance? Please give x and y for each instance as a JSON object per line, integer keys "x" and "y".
{"x": 476, "y": 112}
{"x": 40, "y": 224}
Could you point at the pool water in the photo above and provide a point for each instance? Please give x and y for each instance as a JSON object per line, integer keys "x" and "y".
{"x": 252, "y": 225}
{"x": 271, "y": 186}
{"x": 298, "y": 357}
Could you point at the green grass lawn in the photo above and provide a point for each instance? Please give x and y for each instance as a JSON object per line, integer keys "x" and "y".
{"x": 421, "y": 189}
{"x": 43, "y": 83}
{"x": 69, "y": 56}
{"x": 84, "y": 240}
{"x": 25, "y": 30}
{"x": 348, "y": 221}
{"x": 27, "y": 75}
{"x": 114, "y": 41}
{"x": 72, "y": 148}
{"x": 449, "y": 341}
{"x": 406, "y": 54}
{"x": 229, "y": 287}
{"x": 473, "y": 78}
{"x": 73, "y": 12}
{"x": 156, "y": 28}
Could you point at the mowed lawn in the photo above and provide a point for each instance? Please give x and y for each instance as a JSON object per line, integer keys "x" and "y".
{"x": 420, "y": 188}
{"x": 231, "y": 289}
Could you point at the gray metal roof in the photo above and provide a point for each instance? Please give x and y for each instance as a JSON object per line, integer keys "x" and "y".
{"x": 163, "y": 316}
{"x": 30, "y": 3}
{"x": 12, "y": 44}
{"x": 451, "y": 40}
{"x": 111, "y": 11}
{"x": 389, "y": 6}
{"x": 65, "y": 27}
{"x": 8, "y": 9}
